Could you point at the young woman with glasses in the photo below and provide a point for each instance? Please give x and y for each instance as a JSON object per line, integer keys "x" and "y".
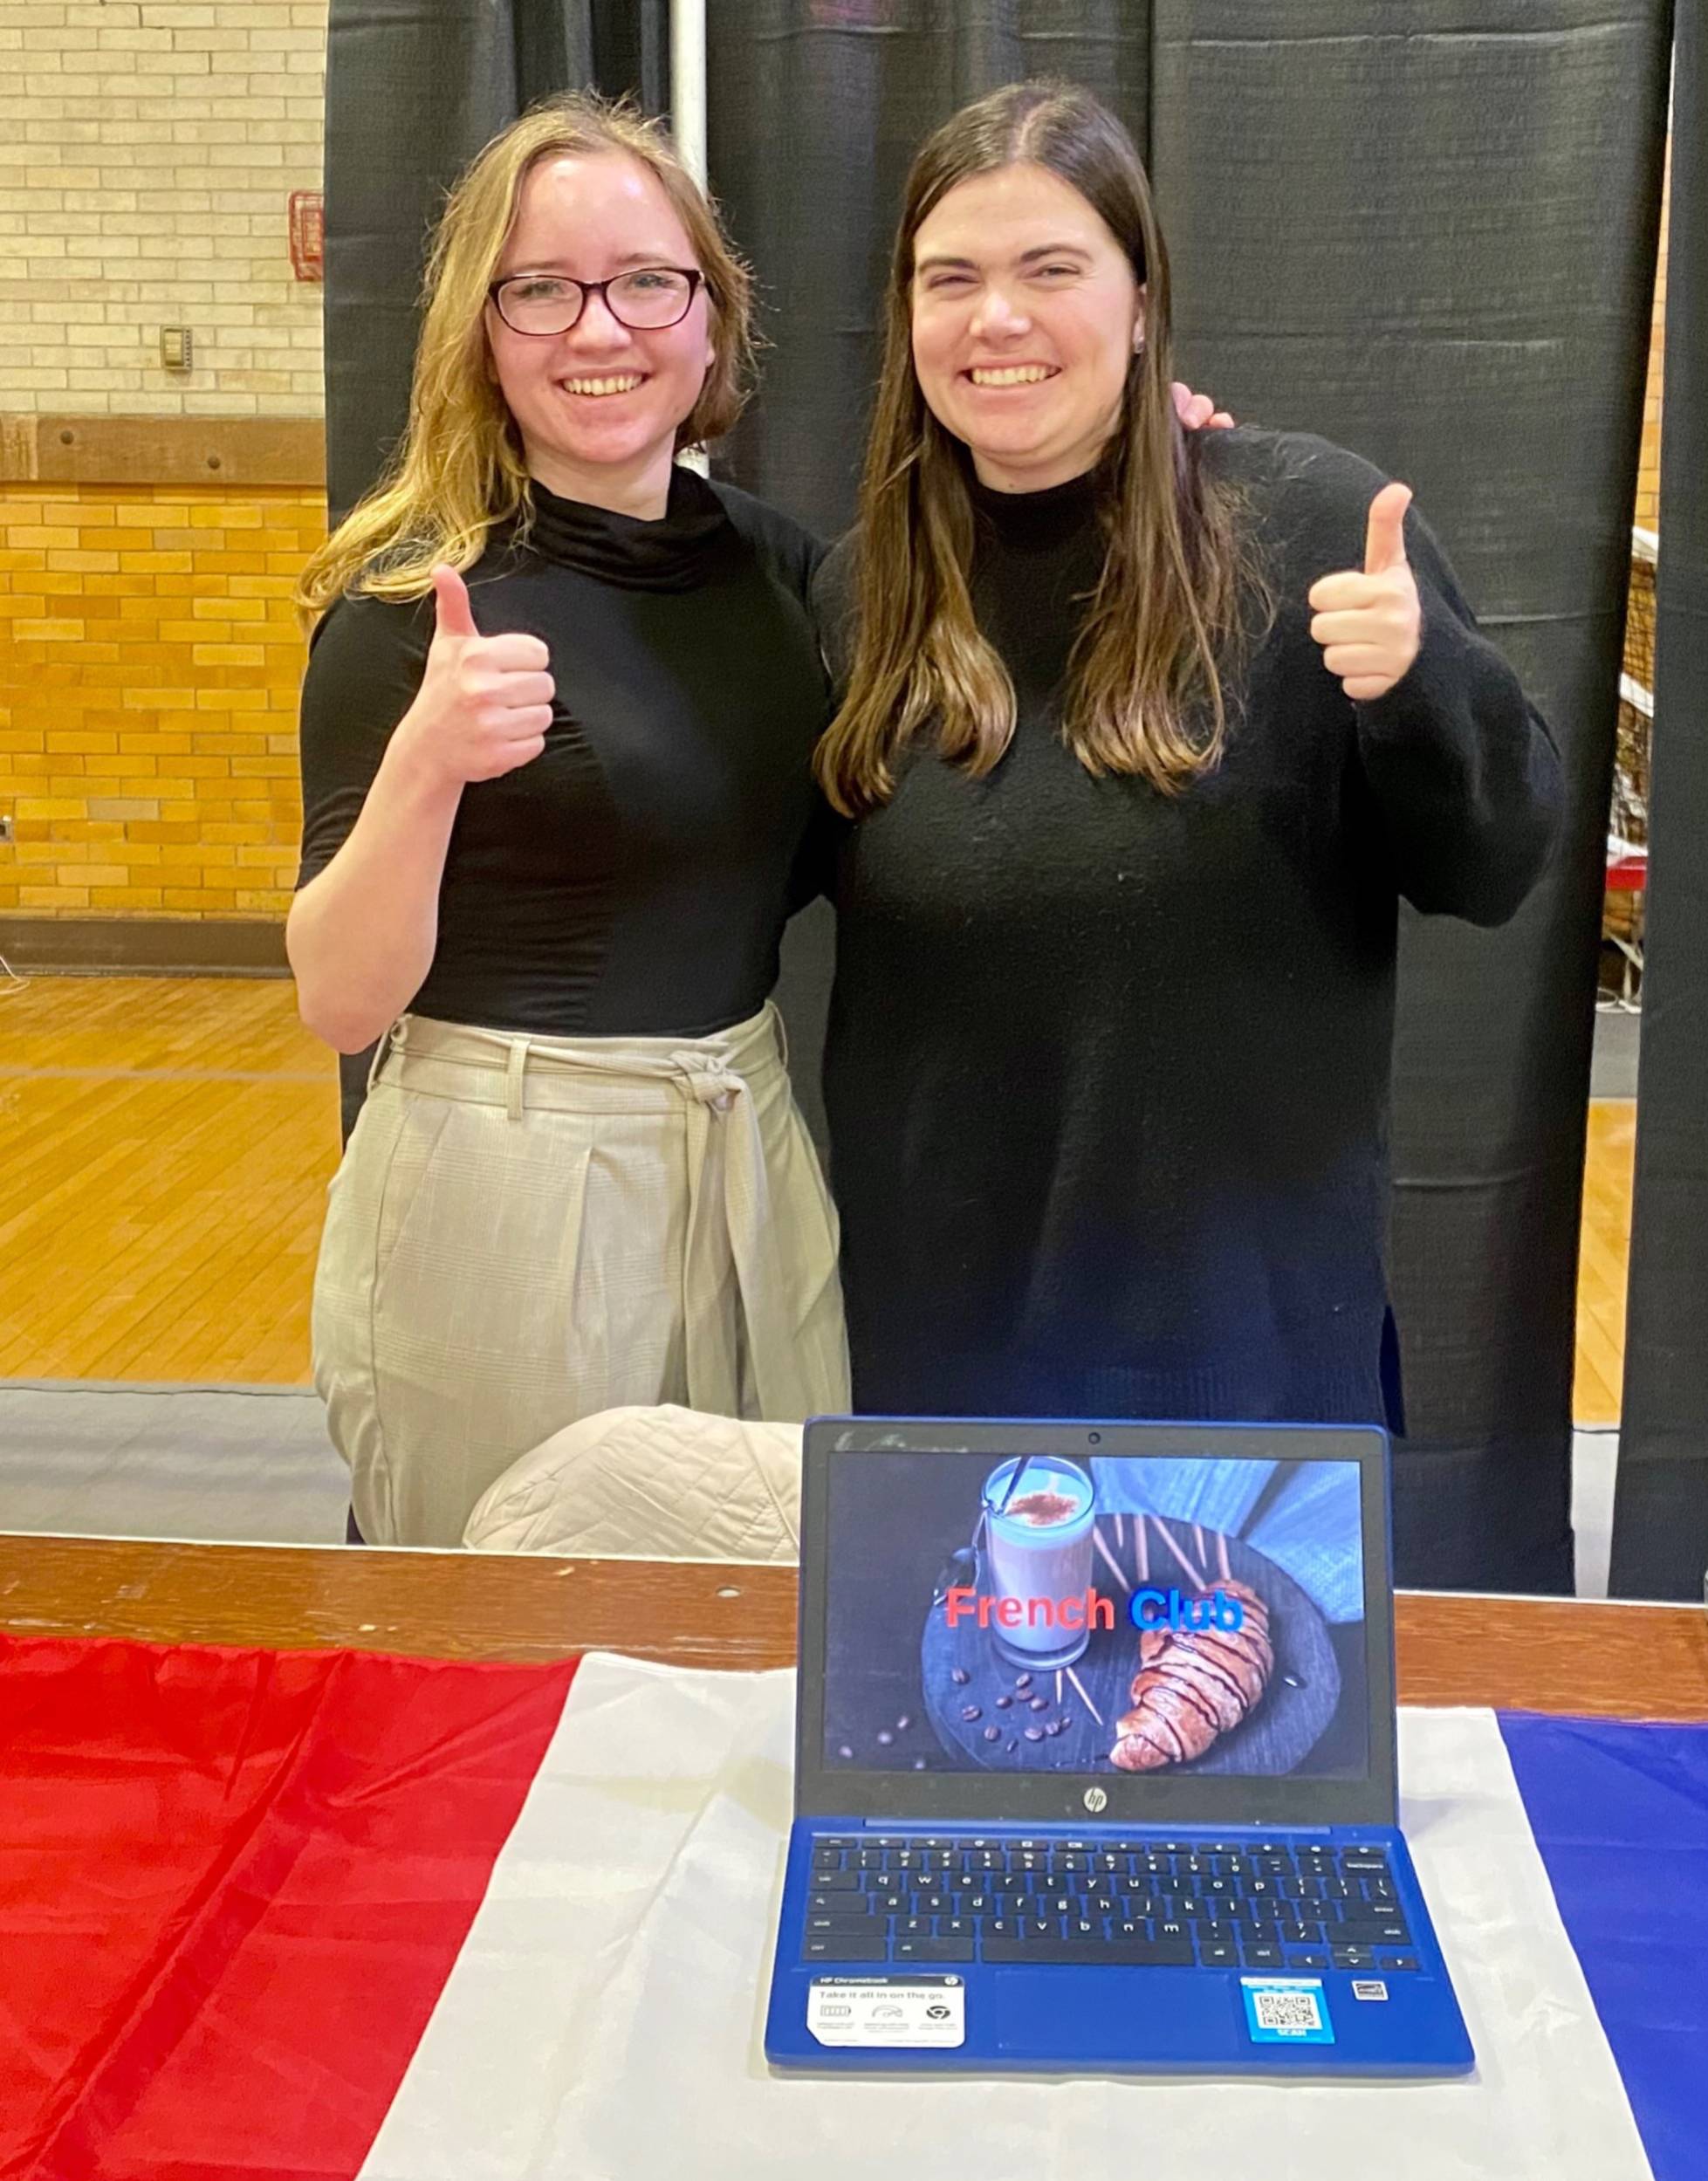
{"x": 557, "y": 733}
{"x": 1146, "y": 737}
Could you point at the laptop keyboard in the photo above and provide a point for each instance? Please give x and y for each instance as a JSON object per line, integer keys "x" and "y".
{"x": 1271, "y": 1902}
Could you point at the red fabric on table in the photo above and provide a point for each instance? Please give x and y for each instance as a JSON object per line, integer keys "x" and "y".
{"x": 232, "y": 1884}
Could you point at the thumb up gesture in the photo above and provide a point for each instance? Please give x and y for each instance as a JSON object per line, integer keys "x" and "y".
{"x": 485, "y": 702}
{"x": 1369, "y": 625}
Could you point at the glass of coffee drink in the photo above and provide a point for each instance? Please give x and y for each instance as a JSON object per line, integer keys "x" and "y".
{"x": 1038, "y": 1527}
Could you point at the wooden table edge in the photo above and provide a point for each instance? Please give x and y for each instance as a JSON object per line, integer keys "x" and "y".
{"x": 1561, "y": 1655}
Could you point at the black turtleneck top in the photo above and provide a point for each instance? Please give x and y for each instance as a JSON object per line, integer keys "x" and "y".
{"x": 633, "y": 880}
{"x": 1107, "y": 1070}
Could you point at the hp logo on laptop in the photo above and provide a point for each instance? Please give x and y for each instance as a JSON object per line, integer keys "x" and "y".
{"x": 1096, "y": 1799}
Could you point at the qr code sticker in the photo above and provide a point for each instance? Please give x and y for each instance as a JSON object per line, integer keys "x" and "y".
{"x": 1288, "y": 2012}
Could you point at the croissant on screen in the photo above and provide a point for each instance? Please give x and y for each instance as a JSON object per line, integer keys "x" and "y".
{"x": 1193, "y": 1685}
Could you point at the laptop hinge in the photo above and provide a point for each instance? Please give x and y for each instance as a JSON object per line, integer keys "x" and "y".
{"x": 920, "y": 1826}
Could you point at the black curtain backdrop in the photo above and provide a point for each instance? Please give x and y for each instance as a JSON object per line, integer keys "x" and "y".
{"x": 1435, "y": 242}
{"x": 1660, "y": 1529}
{"x": 1432, "y": 241}
{"x": 414, "y": 89}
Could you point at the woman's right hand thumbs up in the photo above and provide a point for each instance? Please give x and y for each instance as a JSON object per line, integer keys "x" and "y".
{"x": 484, "y": 704}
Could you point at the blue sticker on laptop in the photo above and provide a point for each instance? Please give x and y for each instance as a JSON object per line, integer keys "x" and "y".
{"x": 1286, "y": 2011}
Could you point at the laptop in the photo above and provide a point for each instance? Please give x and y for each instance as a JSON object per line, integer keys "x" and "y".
{"x": 1095, "y": 1758}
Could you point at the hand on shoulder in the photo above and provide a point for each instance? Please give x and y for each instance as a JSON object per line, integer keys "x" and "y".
{"x": 1197, "y": 411}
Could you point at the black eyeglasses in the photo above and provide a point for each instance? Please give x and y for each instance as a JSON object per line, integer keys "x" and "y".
{"x": 645, "y": 300}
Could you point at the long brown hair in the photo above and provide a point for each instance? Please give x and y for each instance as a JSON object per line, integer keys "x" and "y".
{"x": 459, "y": 469}
{"x": 1145, "y": 690}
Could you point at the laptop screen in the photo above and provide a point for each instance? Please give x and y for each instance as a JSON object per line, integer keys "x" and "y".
{"x": 1032, "y": 1614}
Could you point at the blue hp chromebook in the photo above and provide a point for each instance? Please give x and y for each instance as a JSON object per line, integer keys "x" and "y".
{"x": 1094, "y": 1757}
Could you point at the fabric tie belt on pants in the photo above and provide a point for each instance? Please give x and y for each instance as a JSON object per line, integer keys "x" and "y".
{"x": 724, "y": 1087}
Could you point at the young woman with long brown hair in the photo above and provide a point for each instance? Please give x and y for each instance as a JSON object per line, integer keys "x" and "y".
{"x": 1145, "y": 736}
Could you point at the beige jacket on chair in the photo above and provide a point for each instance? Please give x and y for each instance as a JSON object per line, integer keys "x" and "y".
{"x": 649, "y": 1484}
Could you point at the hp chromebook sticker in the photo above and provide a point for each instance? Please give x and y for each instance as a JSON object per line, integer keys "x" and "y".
{"x": 887, "y": 2010}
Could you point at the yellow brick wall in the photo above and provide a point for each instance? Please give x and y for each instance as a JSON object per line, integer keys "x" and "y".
{"x": 149, "y": 665}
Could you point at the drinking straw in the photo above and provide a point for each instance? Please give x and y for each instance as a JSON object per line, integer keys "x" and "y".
{"x": 1020, "y": 1469}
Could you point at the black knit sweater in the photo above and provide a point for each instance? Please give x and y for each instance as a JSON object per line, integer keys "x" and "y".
{"x": 1107, "y": 1071}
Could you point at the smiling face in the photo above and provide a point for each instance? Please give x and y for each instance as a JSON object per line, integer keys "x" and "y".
{"x": 1025, "y": 315}
{"x": 598, "y": 408}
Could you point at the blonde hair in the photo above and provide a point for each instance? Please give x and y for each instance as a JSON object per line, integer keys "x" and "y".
{"x": 459, "y": 469}
{"x": 1169, "y": 598}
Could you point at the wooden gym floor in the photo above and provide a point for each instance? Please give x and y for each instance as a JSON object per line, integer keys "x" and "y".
{"x": 166, "y": 1146}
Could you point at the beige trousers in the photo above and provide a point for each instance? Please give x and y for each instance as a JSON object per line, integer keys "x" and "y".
{"x": 528, "y": 1231}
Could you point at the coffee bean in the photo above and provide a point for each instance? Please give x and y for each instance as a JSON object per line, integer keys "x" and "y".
{"x": 884, "y": 1738}
{"x": 1034, "y": 1734}
{"x": 971, "y": 1711}
{"x": 1022, "y": 1681}
{"x": 1040, "y": 1703}
{"x": 959, "y": 1676}
{"x": 1003, "y": 1703}
{"x": 993, "y": 1734}
{"x": 919, "y": 1763}
{"x": 903, "y": 1724}
{"x": 845, "y": 1751}
{"x": 1013, "y": 1746}
{"x": 1053, "y": 1727}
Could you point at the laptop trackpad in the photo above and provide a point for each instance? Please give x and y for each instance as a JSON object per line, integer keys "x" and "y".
{"x": 1156, "y": 2015}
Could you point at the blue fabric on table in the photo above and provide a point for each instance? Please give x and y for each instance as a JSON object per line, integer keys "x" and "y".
{"x": 1620, "y": 1812}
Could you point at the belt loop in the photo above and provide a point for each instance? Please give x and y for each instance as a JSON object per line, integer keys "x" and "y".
{"x": 382, "y": 1047}
{"x": 515, "y": 1065}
